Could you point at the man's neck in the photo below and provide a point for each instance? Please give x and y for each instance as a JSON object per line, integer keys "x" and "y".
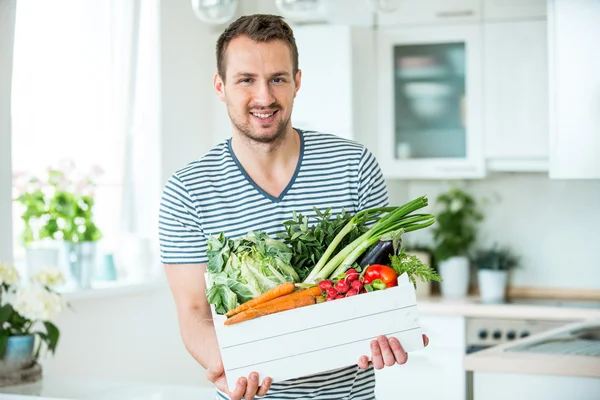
{"x": 267, "y": 156}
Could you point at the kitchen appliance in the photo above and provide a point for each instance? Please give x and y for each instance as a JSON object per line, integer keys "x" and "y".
{"x": 482, "y": 333}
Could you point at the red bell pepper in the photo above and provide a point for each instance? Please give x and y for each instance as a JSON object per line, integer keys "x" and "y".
{"x": 383, "y": 273}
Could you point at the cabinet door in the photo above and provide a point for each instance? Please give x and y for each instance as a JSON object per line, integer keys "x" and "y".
{"x": 516, "y": 95}
{"x": 429, "y": 374}
{"x": 430, "y": 98}
{"x": 411, "y": 12}
{"x": 574, "y": 89}
{"x": 503, "y": 10}
{"x": 324, "y": 101}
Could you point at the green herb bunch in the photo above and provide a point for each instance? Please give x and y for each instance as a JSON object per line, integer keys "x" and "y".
{"x": 413, "y": 267}
{"x": 309, "y": 238}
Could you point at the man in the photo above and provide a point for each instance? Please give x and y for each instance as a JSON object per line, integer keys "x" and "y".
{"x": 254, "y": 181}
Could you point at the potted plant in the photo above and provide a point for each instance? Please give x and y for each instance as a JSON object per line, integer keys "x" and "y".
{"x": 454, "y": 233}
{"x": 60, "y": 208}
{"x": 26, "y": 312}
{"x": 493, "y": 266}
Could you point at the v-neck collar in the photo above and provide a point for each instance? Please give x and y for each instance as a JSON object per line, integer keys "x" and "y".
{"x": 258, "y": 188}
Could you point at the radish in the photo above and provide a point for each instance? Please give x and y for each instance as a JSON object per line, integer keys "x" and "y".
{"x": 325, "y": 284}
{"x": 342, "y": 286}
{"x": 356, "y": 285}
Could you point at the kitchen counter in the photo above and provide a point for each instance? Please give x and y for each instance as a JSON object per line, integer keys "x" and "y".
{"x": 520, "y": 356}
{"x": 472, "y": 307}
{"x": 61, "y": 388}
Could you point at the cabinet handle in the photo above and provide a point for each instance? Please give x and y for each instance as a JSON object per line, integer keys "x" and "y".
{"x": 452, "y": 14}
{"x": 458, "y": 168}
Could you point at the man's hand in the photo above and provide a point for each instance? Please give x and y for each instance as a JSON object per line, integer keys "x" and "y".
{"x": 245, "y": 388}
{"x": 386, "y": 352}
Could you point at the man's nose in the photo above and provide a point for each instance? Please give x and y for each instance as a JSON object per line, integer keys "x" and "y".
{"x": 263, "y": 94}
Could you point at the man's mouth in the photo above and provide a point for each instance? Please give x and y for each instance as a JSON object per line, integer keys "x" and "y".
{"x": 264, "y": 115}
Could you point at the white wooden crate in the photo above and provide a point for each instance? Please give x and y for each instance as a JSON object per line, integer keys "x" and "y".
{"x": 319, "y": 337}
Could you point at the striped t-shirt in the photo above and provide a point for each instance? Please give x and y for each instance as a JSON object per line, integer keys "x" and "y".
{"x": 214, "y": 194}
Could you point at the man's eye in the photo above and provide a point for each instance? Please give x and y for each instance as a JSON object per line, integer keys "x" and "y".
{"x": 246, "y": 80}
{"x": 278, "y": 80}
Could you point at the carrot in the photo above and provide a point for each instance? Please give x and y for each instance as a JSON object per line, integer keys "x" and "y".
{"x": 277, "y": 291}
{"x": 314, "y": 291}
{"x": 271, "y": 308}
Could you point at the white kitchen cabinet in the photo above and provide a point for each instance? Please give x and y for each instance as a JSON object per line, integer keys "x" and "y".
{"x": 433, "y": 373}
{"x": 574, "y": 61}
{"x": 335, "y": 95}
{"x": 414, "y": 12}
{"x": 515, "y": 87}
{"x": 430, "y": 102}
{"x": 504, "y": 10}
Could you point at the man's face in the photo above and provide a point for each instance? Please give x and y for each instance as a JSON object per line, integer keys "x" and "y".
{"x": 260, "y": 87}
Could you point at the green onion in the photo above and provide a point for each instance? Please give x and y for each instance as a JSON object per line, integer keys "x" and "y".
{"x": 397, "y": 220}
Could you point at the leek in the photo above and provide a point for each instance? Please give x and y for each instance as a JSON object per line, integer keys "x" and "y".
{"x": 397, "y": 221}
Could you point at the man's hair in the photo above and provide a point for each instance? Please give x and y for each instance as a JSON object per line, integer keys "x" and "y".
{"x": 260, "y": 28}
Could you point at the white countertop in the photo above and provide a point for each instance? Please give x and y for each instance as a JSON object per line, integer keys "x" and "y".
{"x": 472, "y": 307}
{"x": 61, "y": 388}
{"x": 501, "y": 359}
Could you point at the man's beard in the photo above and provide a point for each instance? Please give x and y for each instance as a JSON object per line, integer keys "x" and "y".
{"x": 246, "y": 130}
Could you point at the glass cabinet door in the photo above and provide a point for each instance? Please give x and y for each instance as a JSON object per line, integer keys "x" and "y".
{"x": 430, "y": 102}
{"x": 429, "y": 95}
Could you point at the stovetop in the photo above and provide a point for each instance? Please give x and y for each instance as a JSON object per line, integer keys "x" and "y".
{"x": 581, "y": 342}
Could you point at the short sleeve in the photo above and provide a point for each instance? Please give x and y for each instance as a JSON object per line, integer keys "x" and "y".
{"x": 372, "y": 190}
{"x": 181, "y": 238}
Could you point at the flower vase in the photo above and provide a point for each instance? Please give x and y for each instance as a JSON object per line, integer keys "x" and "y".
{"x": 455, "y": 276}
{"x": 40, "y": 257}
{"x": 492, "y": 285}
{"x": 18, "y": 354}
{"x": 81, "y": 259}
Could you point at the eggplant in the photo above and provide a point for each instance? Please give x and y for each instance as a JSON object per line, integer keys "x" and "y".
{"x": 380, "y": 252}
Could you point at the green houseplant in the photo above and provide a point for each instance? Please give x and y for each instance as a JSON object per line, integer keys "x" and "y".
{"x": 59, "y": 206}
{"x": 493, "y": 265}
{"x": 27, "y": 312}
{"x": 454, "y": 234}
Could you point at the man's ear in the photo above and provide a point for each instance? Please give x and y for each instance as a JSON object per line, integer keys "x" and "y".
{"x": 298, "y": 81}
{"x": 219, "y": 86}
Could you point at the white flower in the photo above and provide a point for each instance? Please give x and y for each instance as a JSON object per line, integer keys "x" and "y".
{"x": 50, "y": 277}
{"x": 36, "y": 303}
{"x": 455, "y": 206}
{"x": 8, "y": 274}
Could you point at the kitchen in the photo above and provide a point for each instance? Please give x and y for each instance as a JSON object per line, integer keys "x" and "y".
{"x": 529, "y": 143}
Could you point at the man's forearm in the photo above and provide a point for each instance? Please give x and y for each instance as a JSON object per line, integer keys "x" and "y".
{"x": 199, "y": 337}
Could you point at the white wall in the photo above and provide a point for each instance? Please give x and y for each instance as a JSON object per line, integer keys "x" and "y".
{"x": 131, "y": 337}
{"x": 187, "y": 69}
{"x": 551, "y": 224}
{"x": 7, "y": 20}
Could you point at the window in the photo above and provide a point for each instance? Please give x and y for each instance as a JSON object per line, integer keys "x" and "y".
{"x": 85, "y": 89}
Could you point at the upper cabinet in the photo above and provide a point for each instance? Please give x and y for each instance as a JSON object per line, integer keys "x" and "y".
{"x": 502, "y": 10}
{"x": 334, "y": 96}
{"x": 418, "y": 12}
{"x": 430, "y": 96}
{"x": 574, "y": 29}
{"x": 515, "y": 87}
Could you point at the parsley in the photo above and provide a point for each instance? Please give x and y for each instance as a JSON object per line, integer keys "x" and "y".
{"x": 309, "y": 238}
{"x": 410, "y": 264}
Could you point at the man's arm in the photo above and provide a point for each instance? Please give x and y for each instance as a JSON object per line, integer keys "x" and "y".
{"x": 198, "y": 332}
{"x": 193, "y": 312}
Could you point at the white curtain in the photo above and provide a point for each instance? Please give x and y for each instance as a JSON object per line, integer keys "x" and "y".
{"x": 136, "y": 94}
{"x": 7, "y": 32}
